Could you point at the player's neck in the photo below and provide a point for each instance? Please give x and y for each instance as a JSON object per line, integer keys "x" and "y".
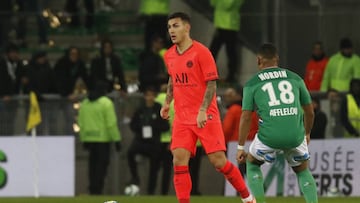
{"x": 184, "y": 45}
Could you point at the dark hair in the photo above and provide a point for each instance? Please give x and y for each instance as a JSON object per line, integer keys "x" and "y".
{"x": 319, "y": 43}
{"x": 268, "y": 51}
{"x": 99, "y": 90}
{"x": 150, "y": 89}
{"x": 183, "y": 16}
{"x": 106, "y": 41}
{"x": 345, "y": 43}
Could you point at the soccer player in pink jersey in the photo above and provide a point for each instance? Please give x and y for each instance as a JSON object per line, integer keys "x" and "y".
{"x": 192, "y": 85}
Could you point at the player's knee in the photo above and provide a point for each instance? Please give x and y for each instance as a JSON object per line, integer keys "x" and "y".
{"x": 303, "y": 166}
{"x": 180, "y": 157}
{"x": 217, "y": 159}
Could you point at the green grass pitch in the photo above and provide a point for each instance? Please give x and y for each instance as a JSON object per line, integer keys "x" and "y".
{"x": 168, "y": 199}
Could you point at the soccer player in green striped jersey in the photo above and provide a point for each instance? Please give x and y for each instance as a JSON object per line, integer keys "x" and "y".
{"x": 283, "y": 104}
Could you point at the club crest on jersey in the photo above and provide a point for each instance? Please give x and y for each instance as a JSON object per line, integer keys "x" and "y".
{"x": 189, "y": 64}
{"x": 210, "y": 116}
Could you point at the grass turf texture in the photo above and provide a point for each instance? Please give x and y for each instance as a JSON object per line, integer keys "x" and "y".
{"x": 168, "y": 199}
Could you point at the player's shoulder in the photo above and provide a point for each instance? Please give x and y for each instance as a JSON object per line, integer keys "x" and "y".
{"x": 171, "y": 50}
{"x": 292, "y": 74}
{"x": 199, "y": 46}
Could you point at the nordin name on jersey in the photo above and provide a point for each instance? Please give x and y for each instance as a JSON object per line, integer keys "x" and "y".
{"x": 272, "y": 75}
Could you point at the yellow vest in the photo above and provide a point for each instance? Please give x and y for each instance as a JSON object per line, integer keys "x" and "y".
{"x": 353, "y": 113}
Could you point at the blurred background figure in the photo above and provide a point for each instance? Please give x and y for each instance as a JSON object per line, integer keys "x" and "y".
{"x": 41, "y": 75}
{"x": 70, "y": 70}
{"x": 151, "y": 65}
{"x": 42, "y": 81}
{"x": 320, "y": 121}
{"x": 33, "y": 8}
{"x": 13, "y": 81}
{"x": 107, "y": 66}
{"x": 227, "y": 24}
{"x": 165, "y": 155}
{"x": 72, "y": 7}
{"x": 231, "y": 120}
{"x": 98, "y": 130}
{"x": 154, "y": 14}
{"x": 315, "y": 67}
{"x": 350, "y": 110}
{"x": 147, "y": 126}
{"x": 341, "y": 68}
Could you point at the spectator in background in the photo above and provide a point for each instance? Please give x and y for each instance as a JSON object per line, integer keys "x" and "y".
{"x": 350, "y": 110}
{"x": 98, "y": 129}
{"x": 165, "y": 155}
{"x": 108, "y": 67}
{"x": 42, "y": 81}
{"x": 152, "y": 67}
{"x": 72, "y": 7}
{"x": 315, "y": 67}
{"x": 69, "y": 69}
{"x": 320, "y": 121}
{"x": 41, "y": 76}
{"x": 28, "y": 8}
{"x": 341, "y": 68}
{"x": 227, "y": 24}
{"x": 13, "y": 81}
{"x": 154, "y": 13}
{"x": 231, "y": 121}
{"x": 147, "y": 126}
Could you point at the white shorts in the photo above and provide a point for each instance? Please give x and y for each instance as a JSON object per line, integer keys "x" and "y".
{"x": 264, "y": 153}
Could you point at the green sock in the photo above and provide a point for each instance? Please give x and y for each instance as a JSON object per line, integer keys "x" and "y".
{"x": 307, "y": 186}
{"x": 256, "y": 181}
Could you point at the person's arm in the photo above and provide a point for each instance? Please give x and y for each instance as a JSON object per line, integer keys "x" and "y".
{"x": 111, "y": 123}
{"x": 208, "y": 96}
{"x": 164, "y": 111}
{"x": 308, "y": 120}
{"x": 120, "y": 74}
{"x": 325, "y": 83}
{"x": 244, "y": 128}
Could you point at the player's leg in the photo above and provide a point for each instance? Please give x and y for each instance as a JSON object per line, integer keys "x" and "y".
{"x": 182, "y": 147}
{"x": 298, "y": 160}
{"x": 255, "y": 178}
{"x": 258, "y": 154}
{"x": 231, "y": 173}
{"x": 214, "y": 146}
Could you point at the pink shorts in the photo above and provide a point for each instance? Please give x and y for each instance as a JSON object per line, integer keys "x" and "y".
{"x": 186, "y": 136}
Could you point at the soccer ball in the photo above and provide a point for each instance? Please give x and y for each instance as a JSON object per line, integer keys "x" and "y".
{"x": 132, "y": 190}
{"x": 111, "y": 201}
{"x": 333, "y": 192}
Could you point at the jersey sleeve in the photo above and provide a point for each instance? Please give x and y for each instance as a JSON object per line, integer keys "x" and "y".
{"x": 304, "y": 94}
{"x": 208, "y": 65}
{"x": 248, "y": 99}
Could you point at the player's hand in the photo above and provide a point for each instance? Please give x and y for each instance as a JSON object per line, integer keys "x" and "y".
{"x": 241, "y": 156}
{"x": 201, "y": 119}
{"x": 164, "y": 111}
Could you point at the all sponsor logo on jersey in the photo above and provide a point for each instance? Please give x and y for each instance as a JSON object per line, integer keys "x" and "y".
{"x": 181, "y": 78}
